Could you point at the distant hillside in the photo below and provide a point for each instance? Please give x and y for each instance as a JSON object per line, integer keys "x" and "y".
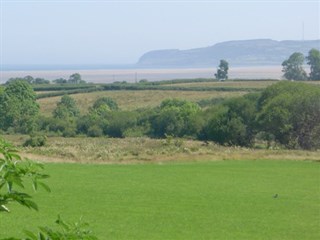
{"x": 238, "y": 53}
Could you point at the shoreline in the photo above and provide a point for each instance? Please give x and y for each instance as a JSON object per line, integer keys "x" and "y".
{"x": 152, "y": 74}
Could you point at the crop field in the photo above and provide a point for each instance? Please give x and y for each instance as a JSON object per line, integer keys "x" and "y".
{"x": 207, "y": 200}
{"x": 130, "y": 100}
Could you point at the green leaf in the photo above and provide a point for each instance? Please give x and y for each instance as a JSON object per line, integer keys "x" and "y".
{"x": 61, "y": 223}
{"x": 17, "y": 180}
{"x": 31, "y": 204}
{"x": 30, "y": 234}
{"x": 35, "y": 185}
{"x": 15, "y": 156}
{"x": 41, "y": 236}
{"x": 45, "y": 186}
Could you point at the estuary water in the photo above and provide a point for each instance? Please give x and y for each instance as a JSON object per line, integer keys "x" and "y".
{"x": 136, "y": 74}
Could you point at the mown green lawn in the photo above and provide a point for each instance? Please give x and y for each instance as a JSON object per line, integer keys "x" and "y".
{"x": 213, "y": 200}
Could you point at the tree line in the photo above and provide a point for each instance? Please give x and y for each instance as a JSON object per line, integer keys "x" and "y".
{"x": 292, "y": 67}
{"x": 286, "y": 113}
{"x": 74, "y": 78}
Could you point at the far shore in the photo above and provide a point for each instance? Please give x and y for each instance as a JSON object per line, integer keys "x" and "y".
{"x": 133, "y": 75}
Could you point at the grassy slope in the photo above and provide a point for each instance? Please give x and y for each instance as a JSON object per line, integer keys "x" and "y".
{"x": 130, "y": 100}
{"x": 133, "y": 99}
{"x": 217, "y": 200}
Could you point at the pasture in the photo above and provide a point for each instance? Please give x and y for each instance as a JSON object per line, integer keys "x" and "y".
{"x": 207, "y": 200}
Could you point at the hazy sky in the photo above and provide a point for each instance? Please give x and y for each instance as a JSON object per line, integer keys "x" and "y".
{"x": 113, "y": 32}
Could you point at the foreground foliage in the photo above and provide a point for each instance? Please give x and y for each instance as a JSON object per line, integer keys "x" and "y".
{"x": 13, "y": 174}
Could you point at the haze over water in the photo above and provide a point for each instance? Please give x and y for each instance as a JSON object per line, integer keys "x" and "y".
{"x": 132, "y": 75}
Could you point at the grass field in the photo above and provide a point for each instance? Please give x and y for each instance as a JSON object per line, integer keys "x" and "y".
{"x": 130, "y": 100}
{"x": 208, "y": 200}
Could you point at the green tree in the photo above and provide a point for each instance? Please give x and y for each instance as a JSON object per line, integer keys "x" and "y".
{"x": 105, "y": 101}
{"x": 75, "y": 78}
{"x": 313, "y": 59}
{"x": 41, "y": 81}
{"x": 18, "y": 107}
{"x": 29, "y": 79}
{"x": 100, "y": 119}
{"x": 66, "y": 108}
{"x": 225, "y": 129}
{"x": 174, "y": 118}
{"x": 120, "y": 122}
{"x": 94, "y": 124}
{"x": 233, "y": 122}
{"x": 222, "y": 72}
{"x": 293, "y": 67}
{"x": 60, "y": 81}
{"x": 66, "y": 114}
{"x": 291, "y": 113}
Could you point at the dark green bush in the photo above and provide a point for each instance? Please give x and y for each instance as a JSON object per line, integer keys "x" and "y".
{"x": 35, "y": 141}
{"x": 290, "y": 111}
{"x": 233, "y": 122}
{"x": 105, "y": 101}
{"x": 95, "y": 131}
{"x": 120, "y": 122}
{"x": 174, "y": 118}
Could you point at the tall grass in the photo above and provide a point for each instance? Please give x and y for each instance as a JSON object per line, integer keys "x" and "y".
{"x": 130, "y": 150}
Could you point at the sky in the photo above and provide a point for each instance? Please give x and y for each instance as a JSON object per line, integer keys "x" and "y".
{"x": 119, "y": 32}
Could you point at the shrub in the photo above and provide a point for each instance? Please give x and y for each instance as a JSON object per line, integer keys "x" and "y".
{"x": 291, "y": 113}
{"x": 232, "y": 123}
{"x": 105, "y": 101}
{"x": 35, "y": 141}
{"x": 120, "y": 122}
{"x": 174, "y": 118}
{"x": 95, "y": 131}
